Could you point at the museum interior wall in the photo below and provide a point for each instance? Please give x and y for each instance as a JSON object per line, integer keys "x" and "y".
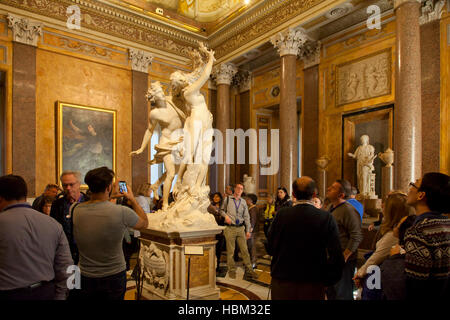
{"x": 350, "y": 90}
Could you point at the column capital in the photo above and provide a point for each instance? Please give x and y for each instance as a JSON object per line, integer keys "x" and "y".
{"x": 288, "y": 41}
{"x": 243, "y": 80}
{"x": 310, "y": 53}
{"x": 431, "y": 10}
{"x": 398, "y": 3}
{"x": 224, "y": 73}
{"x": 24, "y": 30}
{"x": 140, "y": 60}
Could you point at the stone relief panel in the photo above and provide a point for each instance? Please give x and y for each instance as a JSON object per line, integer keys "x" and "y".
{"x": 365, "y": 78}
{"x": 155, "y": 266}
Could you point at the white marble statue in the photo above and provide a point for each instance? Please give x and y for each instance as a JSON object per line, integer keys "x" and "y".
{"x": 249, "y": 184}
{"x": 189, "y": 210}
{"x": 170, "y": 118}
{"x": 365, "y": 155}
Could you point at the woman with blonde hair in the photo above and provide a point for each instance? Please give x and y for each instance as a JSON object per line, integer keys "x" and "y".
{"x": 395, "y": 209}
{"x": 143, "y": 192}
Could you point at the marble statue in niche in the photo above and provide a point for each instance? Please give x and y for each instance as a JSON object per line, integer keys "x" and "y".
{"x": 365, "y": 155}
{"x": 249, "y": 184}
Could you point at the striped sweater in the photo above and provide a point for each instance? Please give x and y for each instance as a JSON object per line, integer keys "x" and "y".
{"x": 427, "y": 259}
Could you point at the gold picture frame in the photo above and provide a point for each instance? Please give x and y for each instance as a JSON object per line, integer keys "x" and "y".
{"x": 86, "y": 138}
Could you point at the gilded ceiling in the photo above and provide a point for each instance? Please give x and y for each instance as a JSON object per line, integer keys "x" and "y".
{"x": 202, "y": 11}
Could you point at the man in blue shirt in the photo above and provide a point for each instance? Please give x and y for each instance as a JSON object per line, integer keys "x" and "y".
{"x": 355, "y": 203}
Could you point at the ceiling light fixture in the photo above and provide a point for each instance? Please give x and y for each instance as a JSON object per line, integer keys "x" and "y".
{"x": 246, "y": 1}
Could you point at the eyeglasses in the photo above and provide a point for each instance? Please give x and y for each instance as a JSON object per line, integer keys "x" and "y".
{"x": 411, "y": 184}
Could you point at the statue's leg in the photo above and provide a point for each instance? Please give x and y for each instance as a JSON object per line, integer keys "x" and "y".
{"x": 170, "y": 174}
{"x": 154, "y": 187}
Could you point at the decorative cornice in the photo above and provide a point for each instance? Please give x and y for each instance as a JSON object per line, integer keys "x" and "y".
{"x": 224, "y": 73}
{"x": 257, "y": 23}
{"x": 24, "y": 30}
{"x": 398, "y": 3}
{"x": 310, "y": 53}
{"x": 431, "y": 11}
{"x": 120, "y": 23}
{"x": 288, "y": 41}
{"x": 140, "y": 60}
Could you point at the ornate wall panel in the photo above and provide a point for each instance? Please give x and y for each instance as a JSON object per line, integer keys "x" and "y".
{"x": 74, "y": 80}
{"x": 365, "y": 78}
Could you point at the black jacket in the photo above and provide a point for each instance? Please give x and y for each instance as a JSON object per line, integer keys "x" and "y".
{"x": 304, "y": 243}
{"x": 59, "y": 211}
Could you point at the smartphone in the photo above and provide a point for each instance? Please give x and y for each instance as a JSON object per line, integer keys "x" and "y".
{"x": 122, "y": 187}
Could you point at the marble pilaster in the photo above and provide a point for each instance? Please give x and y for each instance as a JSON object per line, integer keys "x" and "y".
{"x": 25, "y": 37}
{"x": 408, "y": 110}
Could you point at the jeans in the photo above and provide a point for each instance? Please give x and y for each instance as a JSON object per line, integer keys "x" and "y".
{"x": 343, "y": 290}
{"x": 107, "y": 288}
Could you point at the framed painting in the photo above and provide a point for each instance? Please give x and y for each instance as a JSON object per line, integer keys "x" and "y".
{"x": 86, "y": 138}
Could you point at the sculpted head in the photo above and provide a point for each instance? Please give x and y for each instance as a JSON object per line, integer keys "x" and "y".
{"x": 178, "y": 81}
{"x": 155, "y": 92}
{"x": 364, "y": 139}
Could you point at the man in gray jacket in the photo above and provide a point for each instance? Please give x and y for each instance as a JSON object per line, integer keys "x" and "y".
{"x": 349, "y": 224}
{"x": 34, "y": 252}
{"x": 237, "y": 228}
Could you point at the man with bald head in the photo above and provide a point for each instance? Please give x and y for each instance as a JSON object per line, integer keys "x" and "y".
{"x": 305, "y": 248}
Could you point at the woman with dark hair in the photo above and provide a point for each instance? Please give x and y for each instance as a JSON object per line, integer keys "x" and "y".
{"x": 45, "y": 204}
{"x": 214, "y": 209}
{"x": 282, "y": 200}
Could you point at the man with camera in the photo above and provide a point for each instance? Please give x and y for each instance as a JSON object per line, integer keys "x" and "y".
{"x": 99, "y": 227}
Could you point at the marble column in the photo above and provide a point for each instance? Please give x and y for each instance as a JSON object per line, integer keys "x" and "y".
{"x": 407, "y": 110}
{"x": 25, "y": 37}
{"x": 140, "y": 62}
{"x": 223, "y": 75}
{"x": 288, "y": 43}
{"x": 310, "y": 54}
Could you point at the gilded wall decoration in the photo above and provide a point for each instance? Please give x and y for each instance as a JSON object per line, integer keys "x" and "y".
{"x": 264, "y": 21}
{"x": 365, "y": 78}
{"x": 106, "y": 19}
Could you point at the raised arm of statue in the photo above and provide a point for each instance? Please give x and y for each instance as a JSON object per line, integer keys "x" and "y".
{"x": 198, "y": 84}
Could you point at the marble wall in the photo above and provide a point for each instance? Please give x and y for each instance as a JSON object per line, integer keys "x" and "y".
{"x": 431, "y": 109}
{"x": 73, "y": 80}
{"x": 445, "y": 93}
{"x": 356, "y": 73}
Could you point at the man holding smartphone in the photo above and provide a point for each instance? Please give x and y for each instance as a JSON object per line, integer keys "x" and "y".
{"x": 99, "y": 226}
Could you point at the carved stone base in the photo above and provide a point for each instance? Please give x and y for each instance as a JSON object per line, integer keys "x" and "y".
{"x": 165, "y": 266}
{"x": 387, "y": 180}
{"x": 372, "y": 207}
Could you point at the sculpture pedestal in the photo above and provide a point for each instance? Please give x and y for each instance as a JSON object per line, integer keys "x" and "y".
{"x": 322, "y": 182}
{"x": 165, "y": 266}
{"x": 372, "y": 207}
{"x": 387, "y": 180}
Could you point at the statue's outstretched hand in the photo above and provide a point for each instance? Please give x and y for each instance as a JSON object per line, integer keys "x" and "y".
{"x": 139, "y": 151}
